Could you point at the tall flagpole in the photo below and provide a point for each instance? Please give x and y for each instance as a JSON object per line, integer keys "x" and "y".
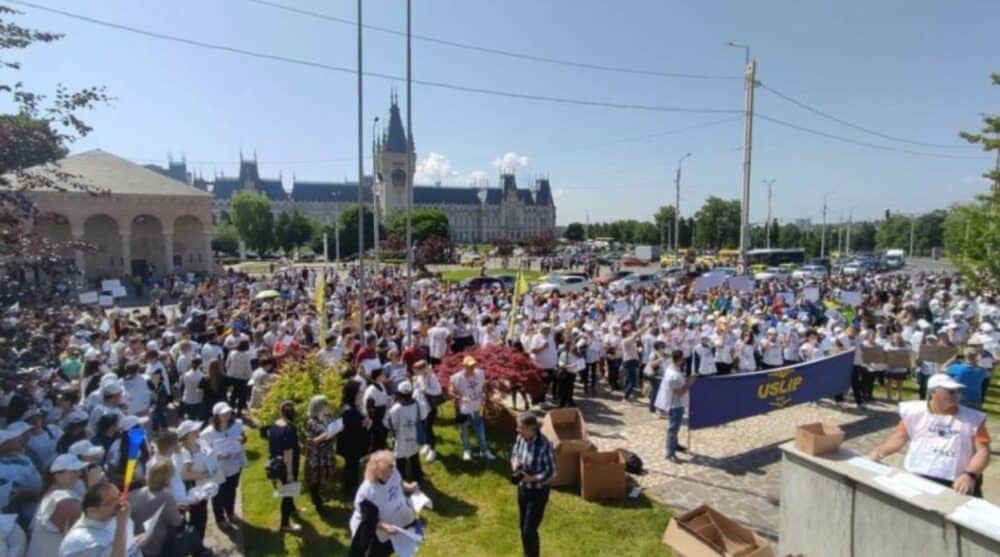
{"x": 409, "y": 178}
{"x": 361, "y": 203}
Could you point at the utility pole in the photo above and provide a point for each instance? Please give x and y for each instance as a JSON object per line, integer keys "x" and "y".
{"x": 822, "y": 238}
{"x": 376, "y": 217}
{"x": 767, "y": 224}
{"x": 913, "y": 222}
{"x": 586, "y": 231}
{"x": 361, "y": 204}
{"x": 751, "y": 73}
{"x": 677, "y": 206}
{"x": 336, "y": 238}
{"x": 409, "y": 175}
{"x": 850, "y": 224}
{"x": 326, "y": 250}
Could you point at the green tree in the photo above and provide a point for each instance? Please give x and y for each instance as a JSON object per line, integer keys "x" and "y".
{"x": 251, "y": 214}
{"x": 787, "y": 236}
{"x": 425, "y": 222}
{"x": 574, "y": 232}
{"x": 893, "y": 233}
{"x": 292, "y": 230}
{"x": 989, "y": 138}
{"x": 717, "y": 224}
{"x": 349, "y": 230}
{"x": 38, "y": 130}
{"x": 664, "y": 218}
{"x": 226, "y": 240}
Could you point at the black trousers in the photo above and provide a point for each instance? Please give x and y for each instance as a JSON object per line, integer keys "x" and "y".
{"x": 224, "y": 502}
{"x": 429, "y": 426}
{"x": 531, "y": 505}
{"x": 238, "y": 395}
{"x": 868, "y": 384}
{"x": 352, "y": 477}
{"x": 614, "y": 368}
{"x": 566, "y": 381}
{"x": 857, "y": 386}
{"x": 412, "y": 474}
{"x": 721, "y": 369}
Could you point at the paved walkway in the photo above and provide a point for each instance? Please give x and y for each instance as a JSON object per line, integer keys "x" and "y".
{"x": 736, "y": 467}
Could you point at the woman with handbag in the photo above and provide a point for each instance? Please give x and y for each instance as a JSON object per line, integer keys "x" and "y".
{"x": 283, "y": 447}
{"x": 226, "y": 438}
{"x": 429, "y": 394}
{"x": 198, "y": 468}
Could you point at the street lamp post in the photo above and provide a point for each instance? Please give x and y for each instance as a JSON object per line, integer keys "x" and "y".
{"x": 409, "y": 174}
{"x": 749, "y": 86}
{"x": 677, "y": 206}
{"x": 767, "y": 223}
{"x": 376, "y": 217}
{"x": 361, "y": 175}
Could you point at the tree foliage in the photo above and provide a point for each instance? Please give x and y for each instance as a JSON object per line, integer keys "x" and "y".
{"x": 226, "y": 240}
{"x": 293, "y": 230}
{"x": 349, "y": 230}
{"x": 38, "y": 131}
{"x": 574, "y": 232}
{"x": 425, "y": 222}
{"x": 251, "y": 215}
{"x": 717, "y": 224}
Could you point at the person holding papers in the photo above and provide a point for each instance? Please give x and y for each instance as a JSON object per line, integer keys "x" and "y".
{"x": 225, "y": 437}
{"x": 381, "y": 508}
{"x": 949, "y": 443}
{"x": 404, "y": 420}
{"x": 283, "y": 449}
{"x": 672, "y": 399}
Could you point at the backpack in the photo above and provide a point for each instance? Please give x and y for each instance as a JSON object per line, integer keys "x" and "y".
{"x": 633, "y": 464}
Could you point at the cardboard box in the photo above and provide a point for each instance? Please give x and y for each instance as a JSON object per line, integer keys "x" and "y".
{"x": 567, "y": 431}
{"x": 818, "y": 438}
{"x": 705, "y": 532}
{"x": 602, "y": 476}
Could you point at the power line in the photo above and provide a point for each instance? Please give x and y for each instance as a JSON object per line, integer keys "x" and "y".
{"x": 499, "y": 52}
{"x": 864, "y": 143}
{"x": 330, "y": 67}
{"x": 856, "y": 126}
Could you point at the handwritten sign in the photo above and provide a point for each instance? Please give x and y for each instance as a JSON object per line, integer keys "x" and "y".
{"x": 740, "y": 283}
{"x": 106, "y": 301}
{"x": 109, "y": 285}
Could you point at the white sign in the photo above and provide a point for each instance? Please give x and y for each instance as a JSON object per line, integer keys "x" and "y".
{"x": 708, "y": 281}
{"x": 119, "y": 292}
{"x": 850, "y": 298}
{"x": 106, "y": 301}
{"x": 88, "y": 297}
{"x": 109, "y": 285}
{"x": 811, "y": 293}
{"x": 740, "y": 284}
{"x": 788, "y": 297}
{"x": 621, "y": 308}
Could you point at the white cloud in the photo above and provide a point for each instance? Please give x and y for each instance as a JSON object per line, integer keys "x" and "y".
{"x": 559, "y": 192}
{"x": 435, "y": 168}
{"x": 510, "y": 162}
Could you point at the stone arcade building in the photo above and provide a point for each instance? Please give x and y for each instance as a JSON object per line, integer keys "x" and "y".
{"x": 474, "y": 214}
{"x": 143, "y": 222}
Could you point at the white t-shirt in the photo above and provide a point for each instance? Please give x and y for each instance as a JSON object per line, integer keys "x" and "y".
{"x": 192, "y": 393}
{"x": 138, "y": 397}
{"x": 230, "y": 462}
{"x": 470, "y": 390}
{"x": 437, "y": 342}
{"x": 547, "y": 357}
{"x": 673, "y": 379}
{"x": 403, "y": 421}
{"x": 392, "y": 503}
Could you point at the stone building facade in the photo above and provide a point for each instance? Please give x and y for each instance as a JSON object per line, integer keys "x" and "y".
{"x": 474, "y": 214}
{"x": 141, "y": 222}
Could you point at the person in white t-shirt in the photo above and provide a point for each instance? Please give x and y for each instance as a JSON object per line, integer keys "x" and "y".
{"x": 542, "y": 349}
{"x": 192, "y": 393}
{"x": 404, "y": 420}
{"x": 672, "y": 398}
{"x": 381, "y": 507}
{"x": 437, "y": 341}
{"x": 468, "y": 389}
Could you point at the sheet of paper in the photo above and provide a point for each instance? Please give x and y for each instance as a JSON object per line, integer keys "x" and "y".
{"x": 203, "y": 492}
{"x": 335, "y": 427}
{"x": 105, "y": 326}
{"x": 106, "y": 301}
{"x": 870, "y": 465}
{"x": 850, "y": 298}
{"x": 420, "y": 501}
{"x": 788, "y": 297}
{"x": 119, "y": 292}
{"x": 88, "y": 297}
{"x": 979, "y": 515}
{"x": 920, "y": 484}
{"x": 109, "y": 285}
{"x": 289, "y": 490}
{"x": 227, "y": 446}
{"x": 635, "y": 492}
{"x": 411, "y": 535}
{"x": 403, "y": 545}
{"x": 150, "y": 524}
{"x": 811, "y": 293}
{"x": 621, "y": 308}
{"x": 897, "y": 487}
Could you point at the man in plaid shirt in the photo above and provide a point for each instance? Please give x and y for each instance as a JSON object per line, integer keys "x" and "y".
{"x": 533, "y": 467}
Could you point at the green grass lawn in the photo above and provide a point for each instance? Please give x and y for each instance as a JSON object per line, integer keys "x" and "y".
{"x": 455, "y": 275}
{"x": 475, "y": 512}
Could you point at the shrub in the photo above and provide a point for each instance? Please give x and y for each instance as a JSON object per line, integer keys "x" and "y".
{"x": 505, "y": 367}
{"x": 299, "y": 381}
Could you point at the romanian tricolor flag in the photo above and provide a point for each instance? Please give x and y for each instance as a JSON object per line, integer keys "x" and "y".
{"x": 136, "y": 438}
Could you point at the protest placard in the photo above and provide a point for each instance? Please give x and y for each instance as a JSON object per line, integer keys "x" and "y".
{"x": 106, "y": 301}
{"x": 850, "y": 298}
{"x": 708, "y": 281}
{"x": 88, "y": 297}
{"x": 937, "y": 354}
{"x": 109, "y": 285}
{"x": 740, "y": 283}
{"x": 811, "y": 293}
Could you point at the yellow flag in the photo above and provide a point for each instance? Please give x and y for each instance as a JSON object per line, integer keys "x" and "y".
{"x": 520, "y": 288}
{"x": 321, "y": 307}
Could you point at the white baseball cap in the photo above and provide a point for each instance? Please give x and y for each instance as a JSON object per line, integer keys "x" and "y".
{"x": 944, "y": 381}
{"x": 221, "y": 408}
{"x": 86, "y": 449}
{"x": 187, "y": 427}
{"x": 67, "y": 462}
{"x": 405, "y": 387}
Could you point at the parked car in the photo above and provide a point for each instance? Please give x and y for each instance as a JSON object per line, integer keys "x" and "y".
{"x": 809, "y": 272}
{"x": 478, "y": 283}
{"x": 611, "y": 277}
{"x": 673, "y": 272}
{"x": 771, "y": 273}
{"x": 635, "y": 281}
{"x": 472, "y": 260}
{"x": 632, "y": 261}
{"x": 561, "y": 284}
{"x": 727, "y": 271}
{"x": 507, "y": 280}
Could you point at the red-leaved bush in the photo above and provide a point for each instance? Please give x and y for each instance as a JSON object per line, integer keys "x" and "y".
{"x": 505, "y": 368}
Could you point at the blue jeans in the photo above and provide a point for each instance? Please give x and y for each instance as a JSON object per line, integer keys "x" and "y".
{"x": 654, "y": 387}
{"x": 475, "y": 421}
{"x": 675, "y": 415}
{"x": 631, "y": 376}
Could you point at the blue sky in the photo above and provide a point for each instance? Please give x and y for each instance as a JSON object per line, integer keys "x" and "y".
{"x": 914, "y": 69}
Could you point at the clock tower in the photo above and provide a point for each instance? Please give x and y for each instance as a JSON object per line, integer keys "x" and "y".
{"x": 394, "y": 161}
